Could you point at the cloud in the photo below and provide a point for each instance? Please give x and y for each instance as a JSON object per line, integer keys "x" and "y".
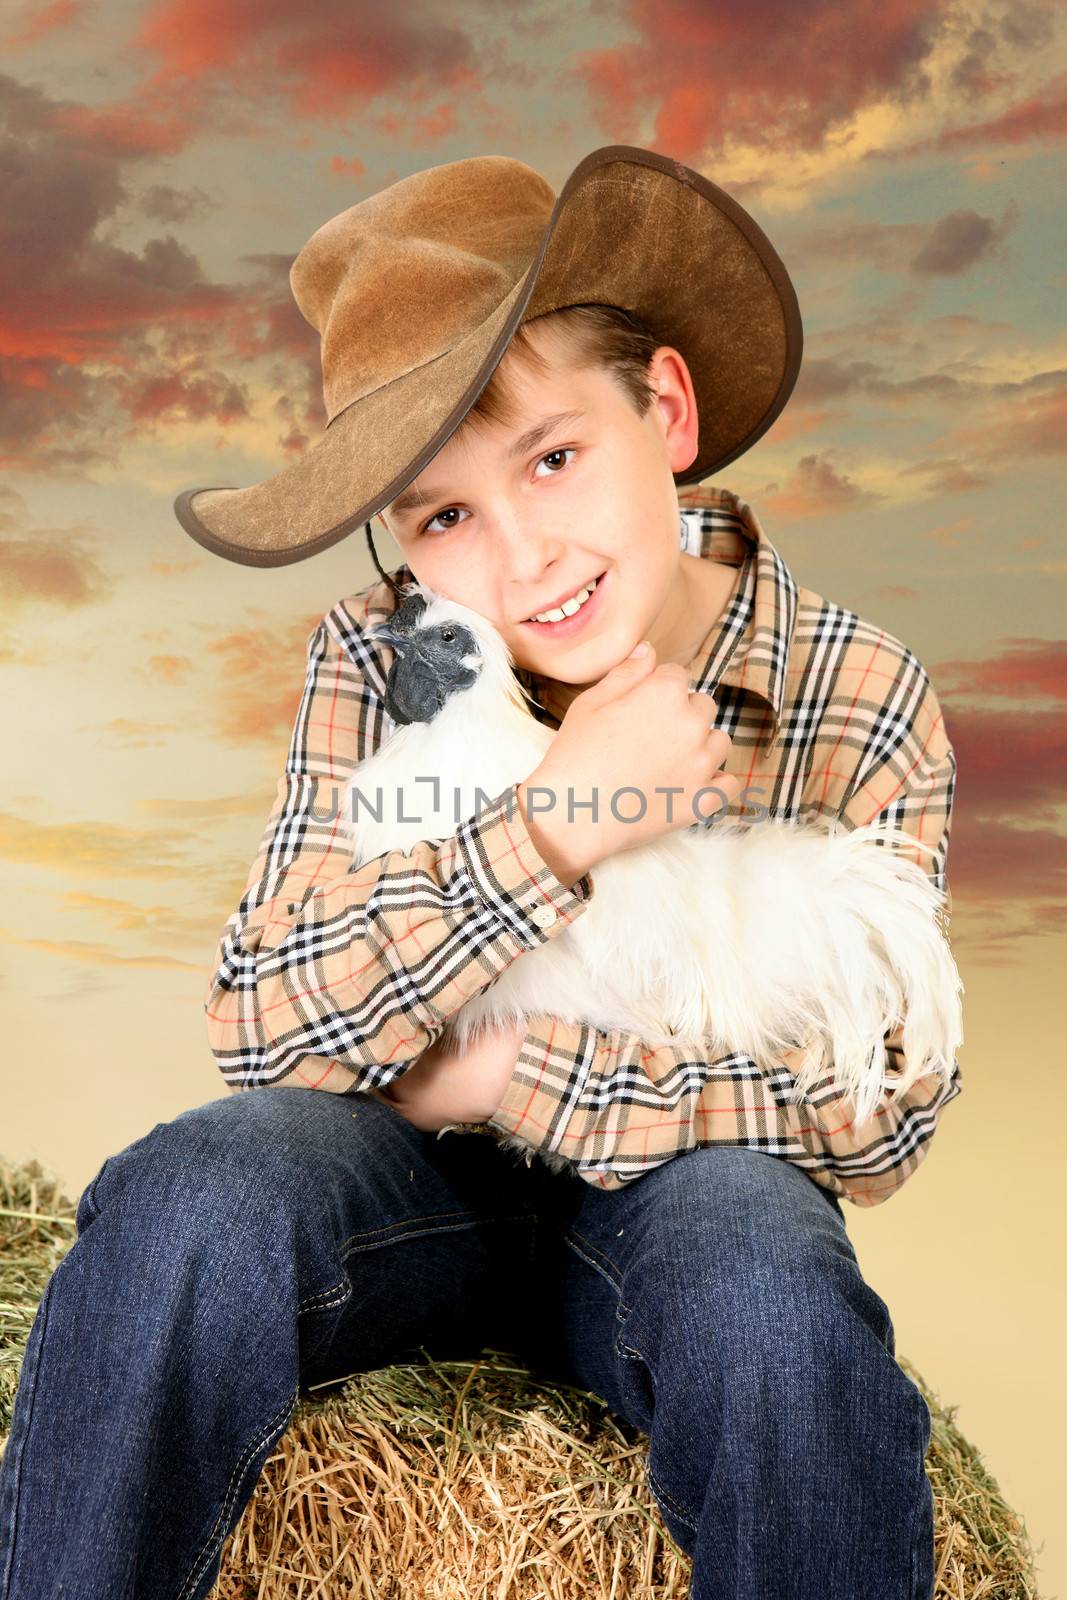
{"x": 98, "y": 955}
{"x": 1011, "y": 766}
{"x": 162, "y": 202}
{"x": 98, "y": 342}
{"x": 960, "y": 239}
{"x": 816, "y": 489}
{"x": 323, "y": 59}
{"x": 92, "y": 849}
{"x": 947, "y": 247}
{"x": 1020, "y": 668}
{"x": 1007, "y": 849}
{"x": 770, "y": 74}
{"x": 50, "y": 569}
{"x": 46, "y": 20}
{"x": 1025, "y": 420}
{"x": 1040, "y": 116}
{"x": 168, "y": 669}
{"x": 262, "y": 697}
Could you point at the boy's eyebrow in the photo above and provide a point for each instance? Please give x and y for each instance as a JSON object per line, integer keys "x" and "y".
{"x": 411, "y": 499}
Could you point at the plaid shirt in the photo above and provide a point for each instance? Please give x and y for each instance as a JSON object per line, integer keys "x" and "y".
{"x": 336, "y": 978}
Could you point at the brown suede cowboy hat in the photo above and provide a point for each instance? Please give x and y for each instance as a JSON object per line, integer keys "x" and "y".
{"x": 417, "y": 290}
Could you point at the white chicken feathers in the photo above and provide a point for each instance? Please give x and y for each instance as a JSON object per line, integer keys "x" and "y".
{"x": 756, "y": 938}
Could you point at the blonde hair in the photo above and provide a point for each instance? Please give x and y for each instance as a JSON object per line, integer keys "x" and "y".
{"x": 590, "y": 336}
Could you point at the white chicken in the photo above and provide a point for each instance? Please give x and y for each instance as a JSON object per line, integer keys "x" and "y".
{"x": 757, "y": 937}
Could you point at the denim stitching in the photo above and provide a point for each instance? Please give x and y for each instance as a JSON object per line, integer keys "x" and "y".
{"x": 657, "y": 1489}
{"x": 338, "y": 1290}
{"x": 456, "y": 1227}
{"x": 666, "y": 1499}
{"x": 208, "y": 1548}
{"x": 603, "y": 1264}
{"x": 391, "y": 1227}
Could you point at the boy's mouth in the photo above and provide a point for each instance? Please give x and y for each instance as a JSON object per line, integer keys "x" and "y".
{"x": 567, "y": 626}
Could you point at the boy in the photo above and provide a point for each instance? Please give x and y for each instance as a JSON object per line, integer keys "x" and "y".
{"x": 716, "y": 1303}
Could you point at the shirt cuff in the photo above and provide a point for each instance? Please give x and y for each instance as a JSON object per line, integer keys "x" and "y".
{"x": 507, "y": 870}
{"x": 539, "y": 1094}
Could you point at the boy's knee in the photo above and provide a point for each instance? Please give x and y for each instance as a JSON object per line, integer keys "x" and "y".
{"x": 209, "y": 1164}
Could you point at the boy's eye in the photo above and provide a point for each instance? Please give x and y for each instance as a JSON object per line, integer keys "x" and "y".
{"x": 563, "y": 450}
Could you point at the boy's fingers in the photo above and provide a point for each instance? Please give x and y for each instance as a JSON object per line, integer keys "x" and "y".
{"x": 618, "y": 678}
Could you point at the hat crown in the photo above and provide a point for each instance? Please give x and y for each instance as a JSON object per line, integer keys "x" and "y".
{"x": 402, "y": 277}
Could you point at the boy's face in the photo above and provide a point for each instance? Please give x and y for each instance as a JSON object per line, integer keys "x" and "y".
{"x": 513, "y": 534}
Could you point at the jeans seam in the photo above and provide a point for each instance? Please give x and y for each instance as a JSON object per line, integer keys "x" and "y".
{"x": 16, "y": 1475}
{"x": 668, "y": 1500}
{"x": 390, "y": 1228}
{"x": 89, "y": 1198}
{"x": 654, "y": 1484}
{"x": 207, "y": 1550}
{"x": 454, "y": 1227}
{"x": 593, "y": 1258}
{"x": 337, "y": 1291}
{"x": 926, "y": 1490}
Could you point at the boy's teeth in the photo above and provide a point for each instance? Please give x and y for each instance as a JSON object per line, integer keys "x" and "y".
{"x": 567, "y": 609}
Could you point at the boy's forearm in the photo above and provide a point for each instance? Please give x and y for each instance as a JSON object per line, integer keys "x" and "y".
{"x": 564, "y": 845}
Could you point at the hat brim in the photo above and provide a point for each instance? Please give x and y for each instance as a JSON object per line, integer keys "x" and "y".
{"x": 629, "y": 228}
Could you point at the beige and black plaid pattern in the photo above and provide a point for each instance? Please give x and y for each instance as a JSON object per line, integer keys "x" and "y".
{"x": 337, "y": 979}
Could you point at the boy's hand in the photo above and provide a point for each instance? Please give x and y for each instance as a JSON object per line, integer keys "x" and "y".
{"x": 440, "y": 1089}
{"x": 640, "y": 729}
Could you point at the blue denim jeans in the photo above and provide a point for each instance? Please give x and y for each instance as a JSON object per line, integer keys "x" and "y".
{"x": 266, "y": 1241}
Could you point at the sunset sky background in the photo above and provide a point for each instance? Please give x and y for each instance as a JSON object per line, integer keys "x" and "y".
{"x": 161, "y": 165}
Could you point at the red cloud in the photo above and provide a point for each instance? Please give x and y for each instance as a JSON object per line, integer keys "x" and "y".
{"x": 770, "y": 72}
{"x": 1027, "y": 667}
{"x": 330, "y": 59}
{"x": 96, "y": 338}
{"x": 50, "y": 18}
{"x": 1011, "y": 765}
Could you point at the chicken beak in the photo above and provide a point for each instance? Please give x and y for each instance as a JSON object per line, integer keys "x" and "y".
{"x": 387, "y": 636}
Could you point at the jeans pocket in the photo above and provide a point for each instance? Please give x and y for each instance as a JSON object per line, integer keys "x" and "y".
{"x": 319, "y": 1318}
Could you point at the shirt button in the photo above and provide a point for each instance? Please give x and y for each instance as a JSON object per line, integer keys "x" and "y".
{"x": 544, "y": 916}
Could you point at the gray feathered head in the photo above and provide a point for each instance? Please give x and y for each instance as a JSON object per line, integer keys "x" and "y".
{"x": 442, "y": 650}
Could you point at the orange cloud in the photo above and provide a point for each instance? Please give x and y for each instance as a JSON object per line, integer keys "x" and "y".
{"x": 168, "y": 669}
{"x": 815, "y": 489}
{"x": 93, "y": 849}
{"x": 262, "y": 699}
{"x": 98, "y": 955}
{"x": 1029, "y": 419}
{"x": 50, "y": 570}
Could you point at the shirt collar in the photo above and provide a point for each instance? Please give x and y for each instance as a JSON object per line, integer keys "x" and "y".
{"x": 747, "y": 647}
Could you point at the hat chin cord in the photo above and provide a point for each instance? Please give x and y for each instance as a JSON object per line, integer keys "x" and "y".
{"x": 380, "y": 569}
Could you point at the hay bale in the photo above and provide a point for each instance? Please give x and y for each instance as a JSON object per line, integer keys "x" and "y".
{"x": 471, "y": 1478}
